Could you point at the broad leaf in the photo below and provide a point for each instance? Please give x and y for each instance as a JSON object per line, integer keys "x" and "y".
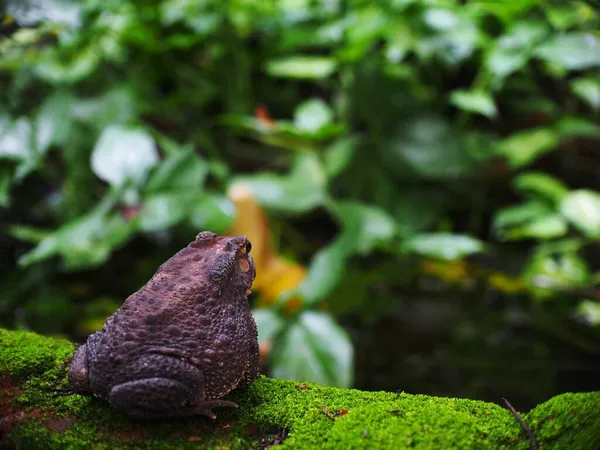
{"x": 517, "y": 215}
{"x": 213, "y": 212}
{"x": 549, "y": 226}
{"x": 53, "y": 121}
{"x": 549, "y": 273}
{"x": 588, "y": 90}
{"x": 303, "y": 67}
{"x": 525, "y": 147}
{"x": 314, "y": 348}
{"x": 512, "y": 51}
{"x": 184, "y": 171}
{"x": 582, "y": 209}
{"x": 53, "y": 67}
{"x": 577, "y": 127}
{"x": 364, "y": 226}
{"x": 85, "y": 241}
{"x": 312, "y": 115}
{"x": 299, "y": 191}
{"x": 575, "y": 51}
{"x": 324, "y": 273}
{"x": 123, "y": 154}
{"x": 542, "y": 185}
{"x": 475, "y": 102}
{"x": 339, "y": 155}
{"x": 443, "y": 245}
{"x": 269, "y": 324}
{"x": 163, "y": 210}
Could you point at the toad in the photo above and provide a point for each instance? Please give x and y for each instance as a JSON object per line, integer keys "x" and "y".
{"x": 182, "y": 342}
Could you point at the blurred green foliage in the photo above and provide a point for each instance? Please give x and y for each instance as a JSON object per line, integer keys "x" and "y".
{"x": 376, "y": 135}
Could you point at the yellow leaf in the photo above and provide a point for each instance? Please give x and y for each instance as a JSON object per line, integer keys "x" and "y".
{"x": 274, "y": 275}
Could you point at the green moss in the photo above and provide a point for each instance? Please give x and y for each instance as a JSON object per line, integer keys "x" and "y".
{"x": 567, "y": 421}
{"x": 315, "y": 416}
{"x": 26, "y": 354}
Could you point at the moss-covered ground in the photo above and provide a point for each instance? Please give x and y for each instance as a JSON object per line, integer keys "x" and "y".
{"x": 33, "y": 415}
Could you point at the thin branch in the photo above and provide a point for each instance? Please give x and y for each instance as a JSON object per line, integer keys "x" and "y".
{"x": 524, "y": 426}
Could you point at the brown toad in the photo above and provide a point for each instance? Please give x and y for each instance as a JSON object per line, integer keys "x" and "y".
{"x": 181, "y": 342}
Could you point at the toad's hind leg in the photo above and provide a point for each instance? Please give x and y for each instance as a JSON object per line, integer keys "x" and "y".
{"x": 160, "y": 398}
{"x": 150, "y": 398}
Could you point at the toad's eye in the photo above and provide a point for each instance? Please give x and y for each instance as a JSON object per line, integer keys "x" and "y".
{"x": 248, "y": 247}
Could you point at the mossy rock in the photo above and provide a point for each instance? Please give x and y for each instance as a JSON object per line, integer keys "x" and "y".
{"x": 295, "y": 415}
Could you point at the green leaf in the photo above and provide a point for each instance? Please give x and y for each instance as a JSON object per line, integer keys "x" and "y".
{"x": 588, "y": 90}
{"x": 163, "y": 210}
{"x": 16, "y": 143}
{"x": 577, "y": 127}
{"x": 314, "y": 348}
{"x": 15, "y": 139}
{"x": 428, "y": 147}
{"x": 541, "y": 184}
{"x": 364, "y": 226}
{"x": 512, "y": 51}
{"x": 53, "y": 122}
{"x": 475, "y": 102}
{"x": 30, "y": 234}
{"x": 570, "y": 14}
{"x": 574, "y": 51}
{"x": 299, "y": 191}
{"x": 582, "y": 209}
{"x": 590, "y": 311}
{"x": 117, "y": 106}
{"x": 86, "y": 241}
{"x": 443, "y": 245}
{"x": 302, "y": 67}
{"x": 529, "y": 220}
{"x": 549, "y": 226}
{"x": 312, "y": 115}
{"x": 213, "y": 212}
{"x": 324, "y": 273}
{"x": 339, "y": 155}
{"x": 122, "y": 154}
{"x": 269, "y": 324}
{"x": 6, "y": 179}
{"x": 56, "y": 68}
{"x": 511, "y": 216}
{"x": 549, "y": 273}
{"x": 525, "y": 147}
{"x": 184, "y": 171}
